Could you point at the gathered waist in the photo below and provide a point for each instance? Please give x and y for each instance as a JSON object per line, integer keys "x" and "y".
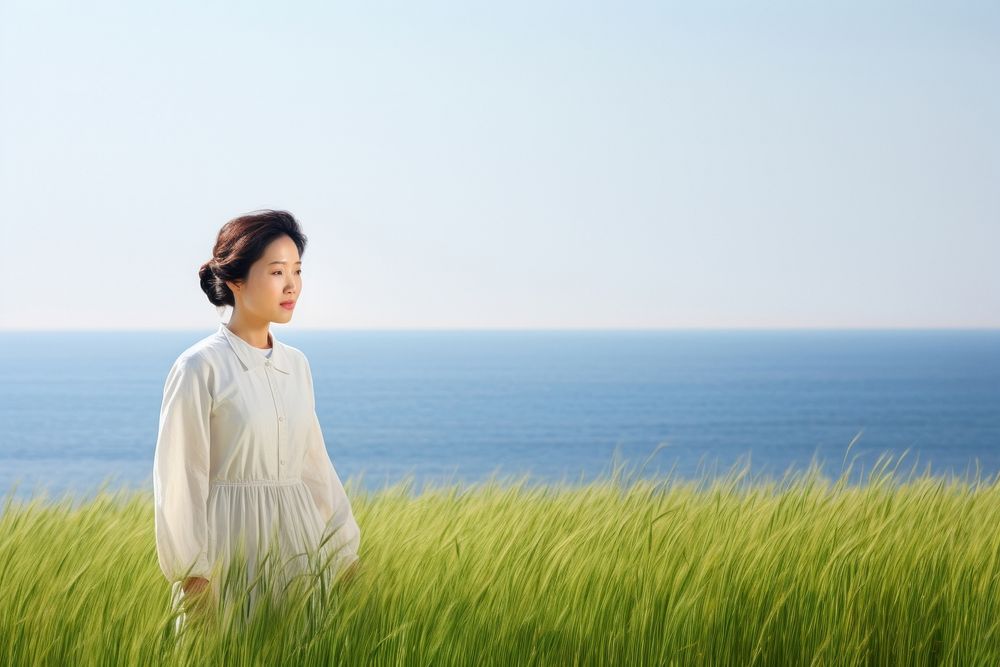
{"x": 254, "y": 482}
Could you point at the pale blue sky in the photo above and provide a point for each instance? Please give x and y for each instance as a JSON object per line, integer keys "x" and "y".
{"x": 508, "y": 165}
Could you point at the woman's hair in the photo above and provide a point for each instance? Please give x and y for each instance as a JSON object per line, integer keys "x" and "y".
{"x": 240, "y": 243}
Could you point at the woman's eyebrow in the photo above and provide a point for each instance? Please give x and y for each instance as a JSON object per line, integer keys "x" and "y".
{"x": 281, "y": 261}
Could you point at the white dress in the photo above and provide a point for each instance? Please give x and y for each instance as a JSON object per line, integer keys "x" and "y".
{"x": 241, "y": 461}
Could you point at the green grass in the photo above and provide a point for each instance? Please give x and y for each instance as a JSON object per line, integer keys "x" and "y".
{"x": 718, "y": 571}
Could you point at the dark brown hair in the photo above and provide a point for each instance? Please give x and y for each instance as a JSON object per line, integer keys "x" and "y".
{"x": 240, "y": 243}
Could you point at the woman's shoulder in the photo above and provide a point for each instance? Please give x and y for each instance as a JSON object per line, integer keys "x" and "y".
{"x": 202, "y": 354}
{"x": 295, "y": 356}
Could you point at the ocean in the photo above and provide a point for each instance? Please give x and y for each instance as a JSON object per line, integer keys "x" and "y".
{"x": 79, "y": 408}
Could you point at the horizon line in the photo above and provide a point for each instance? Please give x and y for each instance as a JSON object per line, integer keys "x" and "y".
{"x": 524, "y": 329}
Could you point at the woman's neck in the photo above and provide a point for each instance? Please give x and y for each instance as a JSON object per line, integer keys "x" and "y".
{"x": 257, "y": 335}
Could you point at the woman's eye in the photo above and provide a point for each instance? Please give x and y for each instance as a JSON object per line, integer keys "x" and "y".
{"x": 274, "y": 273}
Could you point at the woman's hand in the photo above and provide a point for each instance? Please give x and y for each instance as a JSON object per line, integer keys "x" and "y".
{"x": 199, "y": 600}
{"x": 193, "y": 585}
{"x": 350, "y": 572}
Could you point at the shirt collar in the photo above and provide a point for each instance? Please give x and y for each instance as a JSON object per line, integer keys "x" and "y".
{"x": 252, "y": 357}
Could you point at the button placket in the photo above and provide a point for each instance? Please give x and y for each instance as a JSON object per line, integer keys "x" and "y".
{"x": 281, "y": 428}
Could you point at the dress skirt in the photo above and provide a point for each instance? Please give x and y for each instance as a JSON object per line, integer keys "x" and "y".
{"x": 262, "y": 527}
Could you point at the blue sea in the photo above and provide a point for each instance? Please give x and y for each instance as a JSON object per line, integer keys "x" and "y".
{"x": 80, "y": 408}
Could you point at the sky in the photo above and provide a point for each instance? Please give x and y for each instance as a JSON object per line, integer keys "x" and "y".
{"x": 507, "y": 165}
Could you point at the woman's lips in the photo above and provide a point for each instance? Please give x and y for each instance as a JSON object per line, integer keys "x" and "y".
{"x": 288, "y": 305}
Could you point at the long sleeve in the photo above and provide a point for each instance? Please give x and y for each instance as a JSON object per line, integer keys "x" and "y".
{"x": 181, "y": 470}
{"x": 328, "y": 493}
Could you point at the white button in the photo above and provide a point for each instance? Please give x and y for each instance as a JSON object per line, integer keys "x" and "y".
{"x": 282, "y": 461}
{"x": 281, "y": 419}
{"x": 267, "y": 362}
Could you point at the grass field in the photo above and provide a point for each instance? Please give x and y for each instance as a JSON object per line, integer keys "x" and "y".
{"x": 729, "y": 570}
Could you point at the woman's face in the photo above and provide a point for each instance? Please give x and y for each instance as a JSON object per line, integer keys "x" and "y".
{"x": 273, "y": 279}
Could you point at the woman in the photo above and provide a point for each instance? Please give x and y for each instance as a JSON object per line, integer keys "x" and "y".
{"x": 241, "y": 467}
